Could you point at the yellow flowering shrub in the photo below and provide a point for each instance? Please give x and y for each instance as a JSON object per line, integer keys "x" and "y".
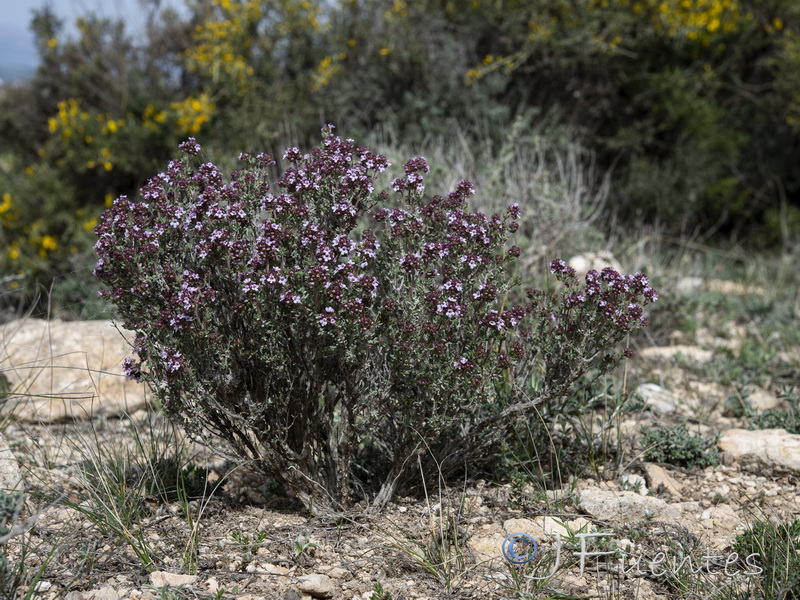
{"x": 325, "y": 71}
{"x": 193, "y": 112}
{"x": 236, "y": 37}
{"x": 81, "y": 139}
{"x": 697, "y": 20}
{"x": 223, "y": 42}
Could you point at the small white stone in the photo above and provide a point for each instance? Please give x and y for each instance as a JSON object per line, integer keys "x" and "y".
{"x": 634, "y": 483}
{"x": 162, "y": 578}
{"x": 319, "y": 586}
{"x": 42, "y": 586}
{"x": 656, "y": 398}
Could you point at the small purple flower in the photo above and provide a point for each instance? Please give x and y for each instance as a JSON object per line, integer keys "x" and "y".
{"x": 132, "y": 369}
{"x": 327, "y": 317}
{"x": 464, "y": 364}
{"x": 293, "y": 155}
{"x": 452, "y": 285}
{"x": 558, "y": 266}
{"x": 172, "y": 360}
{"x": 450, "y": 308}
{"x": 289, "y": 297}
{"x": 487, "y": 292}
{"x": 411, "y": 262}
{"x": 416, "y": 165}
{"x": 190, "y": 147}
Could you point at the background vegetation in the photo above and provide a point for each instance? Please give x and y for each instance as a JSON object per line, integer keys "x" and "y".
{"x": 690, "y": 108}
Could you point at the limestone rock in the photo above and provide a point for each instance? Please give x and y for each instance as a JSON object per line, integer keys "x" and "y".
{"x": 609, "y": 505}
{"x": 692, "y": 354}
{"x": 520, "y": 526}
{"x": 688, "y": 285}
{"x": 733, "y": 288}
{"x": 762, "y": 451}
{"x": 692, "y": 285}
{"x": 317, "y": 585}
{"x": 162, "y": 578}
{"x": 488, "y": 547}
{"x": 658, "y": 479}
{"x": 339, "y": 573}
{"x": 706, "y": 393}
{"x": 10, "y": 477}
{"x": 60, "y": 370}
{"x": 761, "y": 400}
{"x": 564, "y": 527}
{"x": 656, "y": 398}
{"x": 106, "y": 592}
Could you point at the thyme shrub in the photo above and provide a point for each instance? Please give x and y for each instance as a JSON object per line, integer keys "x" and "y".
{"x": 300, "y": 322}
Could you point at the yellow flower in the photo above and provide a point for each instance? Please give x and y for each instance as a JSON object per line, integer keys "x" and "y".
{"x": 193, "y": 112}
{"x": 109, "y": 200}
{"x": 52, "y": 42}
{"x": 49, "y": 242}
{"x": 6, "y": 203}
{"x": 108, "y": 166}
{"x": 13, "y": 251}
{"x": 384, "y": 51}
{"x": 90, "y": 224}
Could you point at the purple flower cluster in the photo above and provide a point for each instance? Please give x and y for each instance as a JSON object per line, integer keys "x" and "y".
{"x": 196, "y": 244}
{"x": 618, "y": 298}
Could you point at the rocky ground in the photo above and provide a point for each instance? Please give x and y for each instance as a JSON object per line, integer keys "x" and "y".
{"x": 647, "y": 530}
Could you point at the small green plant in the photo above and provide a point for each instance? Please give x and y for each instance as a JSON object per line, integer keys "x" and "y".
{"x": 120, "y": 481}
{"x": 777, "y": 548}
{"x": 17, "y": 578}
{"x": 168, "y": 592}
{"x": 222, "y": 592}
{"x": 303, "y": 548}
{"x": 780, "y": 418}
{"x": 10, "y": 506}
{"x": 378, "y": 593}
{"x": 441, "y": 551}
{"x": 249, "y": 546}
{"x": 675, "y": 445}
{"x": 583, "y": 434}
